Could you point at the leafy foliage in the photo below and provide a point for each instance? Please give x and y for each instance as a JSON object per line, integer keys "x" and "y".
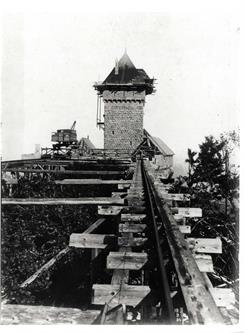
{"x": 214, "y": 186}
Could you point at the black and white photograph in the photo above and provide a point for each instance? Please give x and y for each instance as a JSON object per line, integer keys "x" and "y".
{"x": 120, "y": 165}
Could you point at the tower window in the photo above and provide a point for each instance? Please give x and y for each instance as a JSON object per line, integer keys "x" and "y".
{"x": 112, "y": 132}
{"x": 131, "y": 143}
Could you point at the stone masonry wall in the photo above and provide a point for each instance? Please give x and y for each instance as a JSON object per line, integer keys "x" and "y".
{"x": 123, "y": 120}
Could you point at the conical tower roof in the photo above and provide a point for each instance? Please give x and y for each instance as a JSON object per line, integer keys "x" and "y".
{"x": 125, "y": 72}
{"x": 125, "y": 76}
{"x": 125, "y": 61}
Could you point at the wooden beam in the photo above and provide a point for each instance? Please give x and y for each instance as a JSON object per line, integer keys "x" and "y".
{"x": 82, "y": 160}
{"x": 94, "y": 226}
{"x": 45, "y": 315}
{"x": 63, "y": 201}
{"x": 91, "y": 241}
{"x": 132, "y": 242}
{"x": 179, "y": 218}
{"x": 205, "y": 245}
{"x": 133, "y": 210}
{"x": 118, "y": 194}
{"x": 132, "y": 217}
{"x": 131, "y": 227}
{"x": 187, "y": 211}
{"x": 109, "y": 210}
{"x": 117, "y": 294}
{"x": 45, "y": 267}
{"x": 185, "y": 229}
{"x": 204, "y": 263}
{"x": 66, "y": 172}
{"x": 116, "y": 315}
{"x": 92, "y": 182}
{"x": 122, "y": 186}
{"x": 126, "y": 260}
{"x": 176, "y": 196}
{"x": 224, "y": 297}
{"x": 58, "y": 256}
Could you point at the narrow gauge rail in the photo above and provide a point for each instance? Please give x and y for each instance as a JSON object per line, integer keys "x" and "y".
{"x": 151, "y": 246}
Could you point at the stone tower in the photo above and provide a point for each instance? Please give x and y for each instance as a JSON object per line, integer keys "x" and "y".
{"x": 123, "y": 93}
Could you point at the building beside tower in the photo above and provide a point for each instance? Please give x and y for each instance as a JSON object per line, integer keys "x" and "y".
{"x": 123, "y": 94}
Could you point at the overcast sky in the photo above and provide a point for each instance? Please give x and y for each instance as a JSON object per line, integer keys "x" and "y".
{"x": 51, "y": 61}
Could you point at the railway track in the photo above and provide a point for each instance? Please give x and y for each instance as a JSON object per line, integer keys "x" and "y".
{"x": 159, "y": 273}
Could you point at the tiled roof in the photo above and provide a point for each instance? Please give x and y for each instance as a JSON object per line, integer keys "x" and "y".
{"x": 162, "y": 147}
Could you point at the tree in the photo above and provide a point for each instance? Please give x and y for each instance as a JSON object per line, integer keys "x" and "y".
{"x": 191, "y": 162}
{"x": 210, "y": 161}
{"x": 212, "y": 165}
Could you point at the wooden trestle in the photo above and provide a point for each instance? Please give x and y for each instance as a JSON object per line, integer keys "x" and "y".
{"x": 191, "y": 257}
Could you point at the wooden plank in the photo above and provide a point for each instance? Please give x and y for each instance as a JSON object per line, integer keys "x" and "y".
{"x": 117, "y": 294}
{"x": 94, "y": 226}
{"x": 116, "y": 315}
{"x": 92, "y": 182}
{"x": 205, "y": 245}
{"x": 177, "y": 196}
{"x": 82, "y": 160}
{"x": 135, "y": 202}
{"x": 132, "y": 227}
{"x": 185, "y": 229}
{"x": 187, "y": 211}
{"x": 91, "y": 241}
{"x": 133, "y": 210}
{"x": 132, "y": 217}
{"x": 224, "y": 297}
{"x": 126, "y": 260}
{"x": 63, "y": 201}
{"x": 69, "y": 172}
{"x": 109, "y": 210}
{"x": 122, "y": 186}
{"x": 45, "y": 267}
{"x": 204, "y": 263}
{"x": 118, "y": 194}
{"x": 179, "y": 218}
{"x": 45, "y": 315}
{"x": 58, "y": 256}
{"x": 132, "y": 242}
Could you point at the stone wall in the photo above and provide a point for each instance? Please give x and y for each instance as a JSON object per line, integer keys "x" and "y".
{"x": 123, "y": 119}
